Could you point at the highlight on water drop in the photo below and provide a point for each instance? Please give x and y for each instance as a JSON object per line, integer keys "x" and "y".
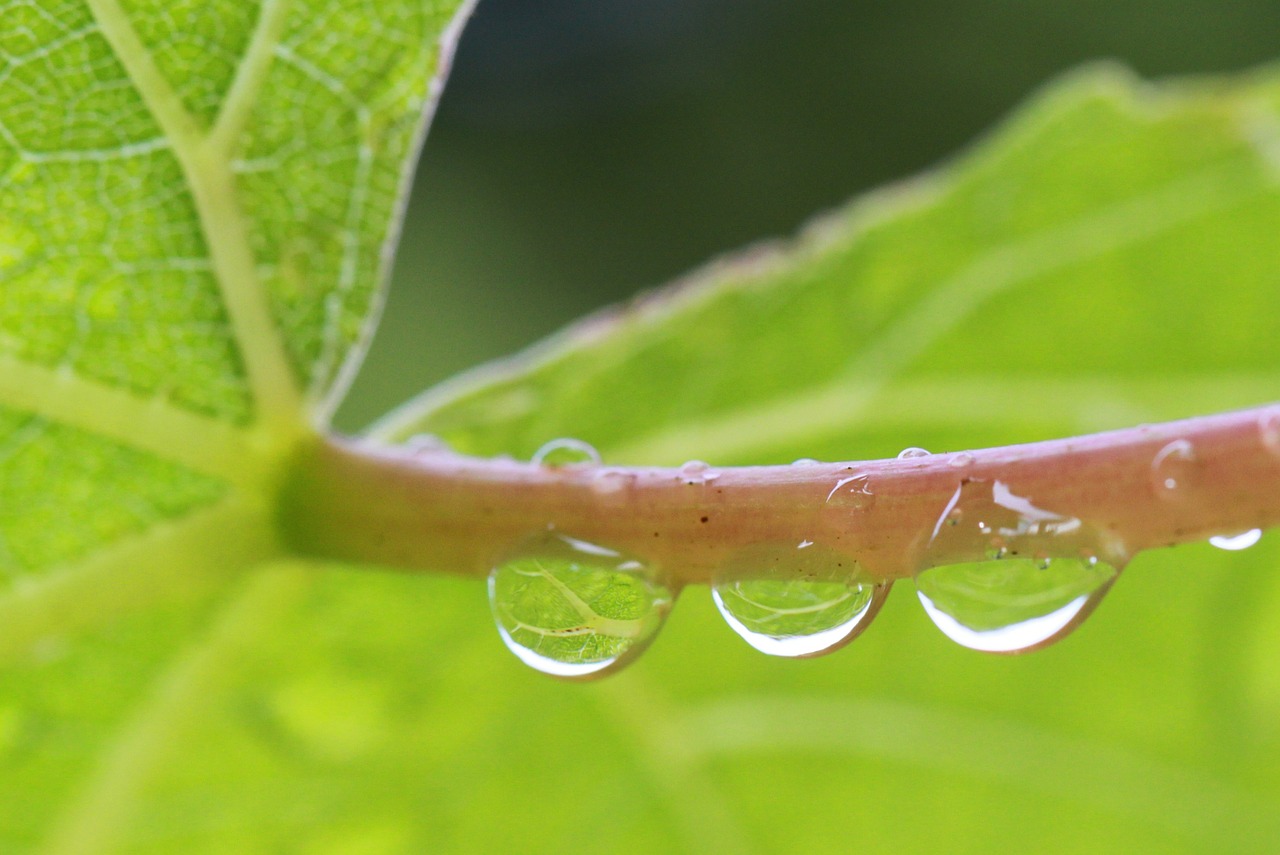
{"x": 1173, "y": 469}
{"x": 1237, "y": 542}
{"x": 1002, "y": 575}
{"x": 853, "y": 492}
{"x": 698, "y": 472}
{"x": 796, "y": 600}
{"x": 575, "y": 609}
{"x": 912, "y": 453}
{"x": 566, "y": 451}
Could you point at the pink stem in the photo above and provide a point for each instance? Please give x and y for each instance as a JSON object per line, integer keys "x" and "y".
{"x": 356, "y": 501}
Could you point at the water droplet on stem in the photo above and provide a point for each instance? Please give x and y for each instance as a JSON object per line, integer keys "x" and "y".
{"x": 912, "y": 453}
{"x": 1269, "y": 430}
{"x": 698, "y": 472}
{"x": 796, "y": 602}
{"x": 1003, "y": 575}
{"x": 1173, "y": 469}
{"x": 575, "y": 609}
{"x": 853, "y": 492}
{"x": 566, "y": 451}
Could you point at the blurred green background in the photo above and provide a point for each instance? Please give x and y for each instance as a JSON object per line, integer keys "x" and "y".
{"x": 585, "y": 149}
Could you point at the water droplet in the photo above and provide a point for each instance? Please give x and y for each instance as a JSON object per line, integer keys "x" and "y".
{"x": 961, "y": 460}
{"x": 573, "y": 609}
{"x": 1269, "y": 428}
{"x": 805, "y": 461}
{"x": 1237, "y": 542}
{"x": 698, "y": 472}
{"x": 566, "y": 451}
{"x": 1173, "y": 468}
{"x": 912, "y": 453}
{"x": 852, "y": 492}
{"x": 426, "y": 443}
{"x": 1003, "y": 575}
{"x": 612, "y": 482}
{"x": 796, "y": 601}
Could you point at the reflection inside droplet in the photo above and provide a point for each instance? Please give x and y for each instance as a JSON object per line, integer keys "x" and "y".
{"x": 1002, "y": 574}
{"x": 796, "y": 602}
{"x": 571, "y": 608}
{"x": 1010, "y": 605}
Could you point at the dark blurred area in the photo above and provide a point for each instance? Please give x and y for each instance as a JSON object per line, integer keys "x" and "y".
{"x": 585, "y": 149}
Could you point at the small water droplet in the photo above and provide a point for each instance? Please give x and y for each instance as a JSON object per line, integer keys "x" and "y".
{"x": 1173, "y": 469}
{"x": 1237, "y": 542}
{"x": 912, "y": 453}
{"x": 961, "y": 460}
{"x": 805, "y": 461}
{"x": 573, "y": 609}
{"x": 698, "y": 472}
{"x": 796, "y": 603}
{"x": 854, "y": 492}
{"x": 1269, "y": 429}
{"x": 426, "y": 443}
{"x": 612, "y": 482}
{"x": 1015, "y": 578}
{"x": 566, "y": 451}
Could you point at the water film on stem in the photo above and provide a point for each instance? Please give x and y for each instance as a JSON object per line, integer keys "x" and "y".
{"x": 575, "y": 609}
{"x": 1002, "y": 575}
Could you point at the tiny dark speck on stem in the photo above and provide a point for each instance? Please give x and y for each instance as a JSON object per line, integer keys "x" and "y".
{"x": 705, "y": 519}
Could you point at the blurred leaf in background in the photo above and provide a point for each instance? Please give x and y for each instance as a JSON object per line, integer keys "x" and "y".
{"x": 1105, "y": 256}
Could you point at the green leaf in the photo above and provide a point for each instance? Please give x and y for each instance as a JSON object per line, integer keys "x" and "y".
{"x": 196, "y": 198}
{"x": 196, "y": 201}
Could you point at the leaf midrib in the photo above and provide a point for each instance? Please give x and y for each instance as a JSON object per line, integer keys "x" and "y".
{"x": 205, "y": 159}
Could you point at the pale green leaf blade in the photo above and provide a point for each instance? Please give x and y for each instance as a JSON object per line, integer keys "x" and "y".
{"x": 1039, "y": 266}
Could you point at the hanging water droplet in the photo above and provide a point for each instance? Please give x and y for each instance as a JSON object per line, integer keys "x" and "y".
{"x": 796, "y": 602}
{"x": 1237, "y": 542}
{"x": 912, "y": 453}
{"x": 698, "y": 472}
{"x": 854, "y": 492}
{"x": 565, "y": 451}
{"x": 1003, "y": 575}
{"x": 1269, "y": 429}
{"x": 961, "y": 460}
{"x": 573, "y": 609}
{"x": 1173, "y": 469}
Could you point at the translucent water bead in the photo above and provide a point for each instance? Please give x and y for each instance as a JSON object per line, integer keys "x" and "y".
{"x": 573, "y": 609}
{"x": 1002, "y": 575}
{"x": 566, "y": 451}
{"x": 796, "y": 599}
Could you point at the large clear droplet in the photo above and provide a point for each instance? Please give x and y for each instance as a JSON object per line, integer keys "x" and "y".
{"x": 566, "y": 451}
{"x": 796, "y": 600}
{"x": 1003, "y": 575}
{"x": 573, "y": 609}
